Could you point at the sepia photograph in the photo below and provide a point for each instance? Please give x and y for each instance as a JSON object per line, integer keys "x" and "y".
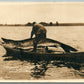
{"x": 42, "y": 40}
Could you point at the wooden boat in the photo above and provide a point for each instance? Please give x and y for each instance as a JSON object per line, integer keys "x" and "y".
{"x": 43, "y": 43}
{"x": 24, "y": 48}
{"x": 26, "y": 53}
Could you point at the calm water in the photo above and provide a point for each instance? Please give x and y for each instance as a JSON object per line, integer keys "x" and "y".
{"x": 72, "y": 35}
{"x": 54, "y": 32}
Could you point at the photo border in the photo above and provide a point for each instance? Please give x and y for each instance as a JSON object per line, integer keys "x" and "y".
{"x": 77, "y": 81}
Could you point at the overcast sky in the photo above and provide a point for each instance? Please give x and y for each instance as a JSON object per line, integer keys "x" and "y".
{"x": 23, "y": 12}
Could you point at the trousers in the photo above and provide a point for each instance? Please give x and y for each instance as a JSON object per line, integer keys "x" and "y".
{"x": 37, "y": 39}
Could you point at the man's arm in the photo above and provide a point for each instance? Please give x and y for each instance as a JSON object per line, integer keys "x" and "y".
{"x": 32, "y": 34}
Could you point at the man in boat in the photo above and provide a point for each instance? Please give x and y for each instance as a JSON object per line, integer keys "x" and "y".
{"x": 40, "y": 33}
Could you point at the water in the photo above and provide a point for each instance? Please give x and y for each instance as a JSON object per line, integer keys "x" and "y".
{"x": 71, "y": 35}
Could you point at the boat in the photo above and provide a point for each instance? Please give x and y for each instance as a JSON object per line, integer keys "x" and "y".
{"x": 42, "y": 43}
{"x": 23, "y": 48}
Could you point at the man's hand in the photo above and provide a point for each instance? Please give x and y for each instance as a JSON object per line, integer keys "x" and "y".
{"x": 31, "y": 34}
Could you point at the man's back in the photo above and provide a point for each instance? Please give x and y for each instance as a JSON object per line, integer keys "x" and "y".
{"x": 39, "y": 29}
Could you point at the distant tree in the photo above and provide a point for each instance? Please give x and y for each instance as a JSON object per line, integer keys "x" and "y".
{"x": 33, "y": 23}
{"x": 29, "y": 24}
{"x": 57, "y": 23}
{"x": 51, "y": 23}
{"x": 44, "y": 23}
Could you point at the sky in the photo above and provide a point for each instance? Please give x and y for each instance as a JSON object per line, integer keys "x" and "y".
{"x": 24, "y": 12}
{"x": 42, "y": 0}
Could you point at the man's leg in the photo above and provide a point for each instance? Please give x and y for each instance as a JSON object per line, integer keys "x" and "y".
{"x": 35, "y": 46}
{"x": 37, "y": 39}
{"x": 35, "y": 42}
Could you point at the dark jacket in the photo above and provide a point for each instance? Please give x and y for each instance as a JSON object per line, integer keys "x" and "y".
{"x": 38, "y": 29}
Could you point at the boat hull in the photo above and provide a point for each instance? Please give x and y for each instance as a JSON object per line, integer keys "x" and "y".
{"x": 44, "y": 42}
{"x": 18, "y": 52}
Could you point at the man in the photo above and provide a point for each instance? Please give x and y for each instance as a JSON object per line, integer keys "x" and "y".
{"x": 40, "y": 33}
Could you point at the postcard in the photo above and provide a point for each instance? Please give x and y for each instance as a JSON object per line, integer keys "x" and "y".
{"x": 41, "y": 41}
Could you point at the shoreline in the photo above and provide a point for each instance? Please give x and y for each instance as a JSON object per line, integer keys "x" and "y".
{"x": 46, "y": 24}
